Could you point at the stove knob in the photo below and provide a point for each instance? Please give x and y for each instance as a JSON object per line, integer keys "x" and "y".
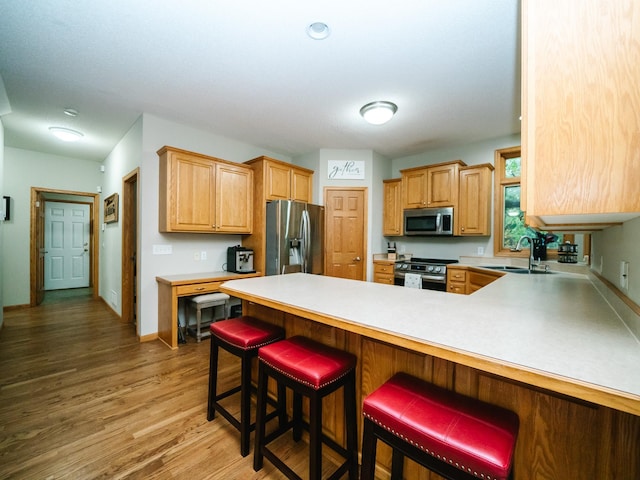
{"x": 430, "y": 268}
{"x": 438, "y": 269}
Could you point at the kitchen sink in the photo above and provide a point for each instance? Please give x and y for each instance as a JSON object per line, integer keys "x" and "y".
{"x": 512, "y": 269}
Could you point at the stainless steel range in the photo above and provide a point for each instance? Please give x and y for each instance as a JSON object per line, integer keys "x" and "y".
{"x": 433, "y": 272}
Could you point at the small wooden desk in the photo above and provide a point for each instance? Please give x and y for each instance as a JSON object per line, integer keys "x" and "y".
{"x": 172, "y": 287}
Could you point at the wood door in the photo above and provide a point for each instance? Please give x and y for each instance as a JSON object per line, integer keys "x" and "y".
{"x": 301, "y": 185}
{"x": 345, "y": 213}
{"x": 277, "y": 181}
{"x": 392, "y": 208}
{"x": 129, "y": 248}
{"x": 234, "y": 199}
{"x": 474, "y": 212}
{"x": 414, "y": 188}
{"x": 442, "y": 186}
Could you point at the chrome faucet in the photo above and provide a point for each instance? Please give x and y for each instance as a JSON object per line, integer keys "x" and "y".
{"x": 518, "y": 248}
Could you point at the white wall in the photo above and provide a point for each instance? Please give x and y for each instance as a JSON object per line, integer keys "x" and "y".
{"x": 123, "y": 159}
{"x": 471, "y": 154}
{"x": 616, "y": 244}
{"x": 24, "y": 169}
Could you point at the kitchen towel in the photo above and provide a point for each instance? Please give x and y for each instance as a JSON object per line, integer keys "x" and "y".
{"x": 412, "y": 280}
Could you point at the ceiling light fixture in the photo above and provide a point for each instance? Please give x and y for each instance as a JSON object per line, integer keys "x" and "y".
{"x": 66, "y": 134}
{"x": 377, "y": 113}
{"x": 318, "y": 30}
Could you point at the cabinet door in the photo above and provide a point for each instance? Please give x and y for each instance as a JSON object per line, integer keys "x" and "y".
{"x": 234, "y": 199}
{"x": 414, "y": 189}
{"x": 442, "y": 186}
{"x": 474, "y": 205}
{"x": 392, "y": 207}
{"x": 277, "y": 181}
{"x": 581, "y": 107}
{"x": 301, "y": 186}
{"x": 191, "y": 193}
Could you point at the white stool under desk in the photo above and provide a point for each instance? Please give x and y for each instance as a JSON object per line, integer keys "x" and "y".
{"x": 201, "y": 302}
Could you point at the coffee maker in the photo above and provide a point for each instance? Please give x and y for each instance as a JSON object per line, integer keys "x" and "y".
{"x": 240, "y": 260}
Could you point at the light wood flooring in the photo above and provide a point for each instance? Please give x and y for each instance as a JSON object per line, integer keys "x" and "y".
{"x": 81, "y": 398}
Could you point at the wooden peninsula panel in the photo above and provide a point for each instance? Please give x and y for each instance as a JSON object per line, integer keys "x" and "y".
{"x": 561, "y": 437}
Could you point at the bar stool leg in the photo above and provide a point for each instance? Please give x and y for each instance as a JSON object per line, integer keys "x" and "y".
{"x": 213, "y": 379}
{"x": 351, "y": 419}
{"x": 198, "y": 318}
{"x": 397, "y": 464}
{"x": 261, "y": 409}
{"x": 245, "y": 405}
{"x": 297, "y": 416}
{"x": 315, "y": 437}
{"x": 369, "y": 444}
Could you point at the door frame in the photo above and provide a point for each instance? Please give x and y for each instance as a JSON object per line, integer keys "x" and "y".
{"x": 38, "y": 197}
{"x": 130, "y": 222}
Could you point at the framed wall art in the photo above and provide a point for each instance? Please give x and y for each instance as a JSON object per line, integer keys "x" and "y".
{"x": 111, "y": 208}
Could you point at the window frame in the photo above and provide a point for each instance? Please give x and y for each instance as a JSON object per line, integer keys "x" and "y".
{"x": 501, "y": 181}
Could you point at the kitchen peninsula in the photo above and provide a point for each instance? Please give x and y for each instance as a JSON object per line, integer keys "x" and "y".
{"x": 549, "y": 347}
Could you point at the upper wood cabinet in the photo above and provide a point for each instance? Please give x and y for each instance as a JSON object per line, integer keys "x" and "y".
{"x": 474, "y": 202}
{"x": 274, "y": 180}
{"x": 580, "y": 109}
{"x": 431, "y": 186}
{"x": 283, "y": 181}
{"x": 204, "y": 194}
{"x": 392, "y": 207}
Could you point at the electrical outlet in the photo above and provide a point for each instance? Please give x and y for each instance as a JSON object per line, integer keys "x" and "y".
{"x": 480, "y": 251}
{"x": 196, "y": 256}
{"x": 203, "y": 255}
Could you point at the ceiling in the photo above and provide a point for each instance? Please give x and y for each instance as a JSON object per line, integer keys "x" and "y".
{"x": 247, "y": 70}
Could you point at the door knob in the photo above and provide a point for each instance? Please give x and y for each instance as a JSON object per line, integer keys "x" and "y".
{"x": 357, "y": 259}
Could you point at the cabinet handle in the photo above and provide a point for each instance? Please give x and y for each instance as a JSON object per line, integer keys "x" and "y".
{"x": 199, "y": 288}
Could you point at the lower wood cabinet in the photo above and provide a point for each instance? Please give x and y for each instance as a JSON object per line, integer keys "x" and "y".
{"x": 383, "y": 271}
{"x": 466, "y": 280}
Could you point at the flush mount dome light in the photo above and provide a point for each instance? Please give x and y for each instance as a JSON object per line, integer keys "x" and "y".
{"x": 66, "y": 134}
{"x": 377, "y": 113}
{"x": 318, "y": 30}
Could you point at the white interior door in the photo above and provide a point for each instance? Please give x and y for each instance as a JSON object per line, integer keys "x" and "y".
{"x": 67, "y": 252}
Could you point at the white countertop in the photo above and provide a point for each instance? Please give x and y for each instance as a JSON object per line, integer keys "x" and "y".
{"x": 556, "y": 325}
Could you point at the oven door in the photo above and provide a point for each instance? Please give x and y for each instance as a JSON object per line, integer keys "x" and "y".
{"x": 429, "y": 282}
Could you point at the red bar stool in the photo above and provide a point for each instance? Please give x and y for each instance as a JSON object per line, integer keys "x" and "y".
{"x": 242, "y": 337}
{"x": 313, "y": 370}
{"x": 457, "y": 437}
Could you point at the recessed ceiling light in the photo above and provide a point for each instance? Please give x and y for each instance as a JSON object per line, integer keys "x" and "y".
{"x": 377, "y": 113}
{"x": 66, "y": 134}
{"x": 318, "y": 30}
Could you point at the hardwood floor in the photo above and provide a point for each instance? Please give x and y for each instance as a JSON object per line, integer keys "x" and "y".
{"x": 81, "y": 398}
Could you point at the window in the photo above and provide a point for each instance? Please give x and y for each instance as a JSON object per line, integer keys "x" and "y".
{"x": 509, "y": 219}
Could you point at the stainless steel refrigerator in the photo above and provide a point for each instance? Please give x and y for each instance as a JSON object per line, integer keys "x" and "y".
{"x": 295, "y": 237}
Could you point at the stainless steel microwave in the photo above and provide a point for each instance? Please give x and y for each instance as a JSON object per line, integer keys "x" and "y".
{"x": 428, "y": 221}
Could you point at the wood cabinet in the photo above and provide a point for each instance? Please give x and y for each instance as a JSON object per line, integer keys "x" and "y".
{"x": 466, "y": 280}
{"x": 457, "y": 280}
{"x": 474, "y": 202}
{"x": 580, "y": 110}
{"x": 431, "y": 186}
{"x": 392, "y": 207}
{"x": 283, "y": 181}
{"x": 274, "y": 180}
{"x": 383, "y": 271}
{"x": 203, "y": 194}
